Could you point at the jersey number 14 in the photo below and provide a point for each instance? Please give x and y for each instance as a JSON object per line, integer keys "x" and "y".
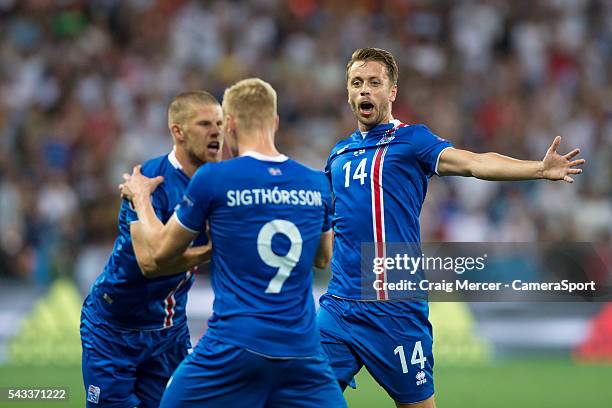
{"x": 359, "y": 173}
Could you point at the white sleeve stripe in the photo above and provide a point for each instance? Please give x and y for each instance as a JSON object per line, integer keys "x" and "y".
{"x": 438, "y": 159}
{"x": 183, "y": 225}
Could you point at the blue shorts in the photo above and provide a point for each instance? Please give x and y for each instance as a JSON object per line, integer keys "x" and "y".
{"x": 128, "y": 368}
{"x": 392, "y": 339}
{"x": 221, "y": 375}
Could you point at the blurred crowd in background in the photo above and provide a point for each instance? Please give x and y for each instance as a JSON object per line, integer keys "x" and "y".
{"x": 84, "y": 87}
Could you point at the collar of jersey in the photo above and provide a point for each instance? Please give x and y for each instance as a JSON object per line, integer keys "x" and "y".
{"x": 173, "y": 160}
{"x": 258, "y": 156}
{"x": 378, "y": 130}
{"x": 176, "y": 164}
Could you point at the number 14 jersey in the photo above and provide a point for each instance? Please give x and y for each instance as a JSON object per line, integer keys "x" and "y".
{"x": 266, "y": 215}
{"x": 379, "y": 181}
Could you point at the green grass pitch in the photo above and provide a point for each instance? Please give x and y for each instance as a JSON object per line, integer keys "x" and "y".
{"x": 528, "y": 383}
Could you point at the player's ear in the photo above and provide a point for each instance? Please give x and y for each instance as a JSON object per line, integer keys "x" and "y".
{"x": 230, "y": 124}
{"x": 393, "y": 93}
{"x": 177, "y": 132}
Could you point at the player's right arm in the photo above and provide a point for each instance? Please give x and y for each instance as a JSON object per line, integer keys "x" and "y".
{"x": 165, "y": 243}
{"x": 146, "y": 261}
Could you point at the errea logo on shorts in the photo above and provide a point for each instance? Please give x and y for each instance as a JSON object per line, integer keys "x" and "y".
{"x": 420, "y": 377}
{"x": 93, "y": 394}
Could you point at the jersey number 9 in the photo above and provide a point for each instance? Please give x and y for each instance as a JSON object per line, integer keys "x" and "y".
{"x": 285, "y": 264}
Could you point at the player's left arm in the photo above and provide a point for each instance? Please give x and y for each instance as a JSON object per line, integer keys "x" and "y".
{"x": 166, "y": 242}
{"x": 497, "y": 167}
{"x": 324, "y": 250}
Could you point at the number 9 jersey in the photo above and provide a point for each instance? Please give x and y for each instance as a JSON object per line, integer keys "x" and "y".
{"x": 266, "y": 215}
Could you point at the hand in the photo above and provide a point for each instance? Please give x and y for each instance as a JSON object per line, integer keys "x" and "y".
{"x": 137, "y": 185}
{"x": 202, "y": 253}
{"x": 557, "y": 167}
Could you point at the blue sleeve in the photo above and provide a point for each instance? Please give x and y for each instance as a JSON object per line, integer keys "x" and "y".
{"x": 428, "y": 147}
{"x": 327, "y": 170}
{"x": 327, "y": 205}
{"x": 192, "y": 211}
{"x": 158, "y": 200}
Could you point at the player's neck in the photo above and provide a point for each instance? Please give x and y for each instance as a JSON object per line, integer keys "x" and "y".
{"x": 187, "y": 166}
{"x": 366, "y": 128}
{"x": 260, "y": 141}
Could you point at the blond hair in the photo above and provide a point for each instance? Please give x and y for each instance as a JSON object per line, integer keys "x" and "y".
{"x": 181, "y": 106}
{"x": 251, "y": 101}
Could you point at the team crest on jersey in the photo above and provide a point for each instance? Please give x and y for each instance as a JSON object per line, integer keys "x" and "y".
{"x": 420, "y": 377}
{"x": 274, "y": 171}
{"x": 385, "y": 140}
{"x": 93, "y": 394}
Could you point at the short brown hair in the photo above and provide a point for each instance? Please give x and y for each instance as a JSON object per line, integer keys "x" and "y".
{"x": 180, "y": 107}
{"x": 252, "y": 101}
{"x": 375, "y": 54}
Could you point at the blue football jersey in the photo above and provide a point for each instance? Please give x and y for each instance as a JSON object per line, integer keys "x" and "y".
{"x": 379, "y": 184}
{"x": 121, "y": 294}
{"x": 266, "y": 216}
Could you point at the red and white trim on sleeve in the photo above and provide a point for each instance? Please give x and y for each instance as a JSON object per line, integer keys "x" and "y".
{"x": 170, "y": 302}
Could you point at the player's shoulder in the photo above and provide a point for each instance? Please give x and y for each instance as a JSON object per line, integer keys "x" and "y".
{"x": 205, "y": 169}
{"x": 211, "y": 174}
{"x": 345, "y": 142}
{"x": 305, "y": 170}
{"x": 415, "y": 129}
{"x": 417, "y": 134}
{"x": 312, "y": 178}
{"x": 155, "y": 166}
{"x": 341, "y": 146}
{"x": 342, "y": 143}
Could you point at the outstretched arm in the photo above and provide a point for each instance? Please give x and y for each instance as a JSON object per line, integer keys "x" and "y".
{"x": 160, "y": 249}
{"x": 494, "y": 166}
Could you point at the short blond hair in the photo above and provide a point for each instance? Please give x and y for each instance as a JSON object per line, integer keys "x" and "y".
{"x": 181, "y": 106}
{"x": 252, "y": 101}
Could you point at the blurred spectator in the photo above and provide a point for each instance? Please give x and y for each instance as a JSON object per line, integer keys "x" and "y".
{"x": 84, "y": 88}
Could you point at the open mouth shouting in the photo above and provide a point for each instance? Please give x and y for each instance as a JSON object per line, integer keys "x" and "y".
{"x": 366, "y": 108}
{"x": 213, "y": 147}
